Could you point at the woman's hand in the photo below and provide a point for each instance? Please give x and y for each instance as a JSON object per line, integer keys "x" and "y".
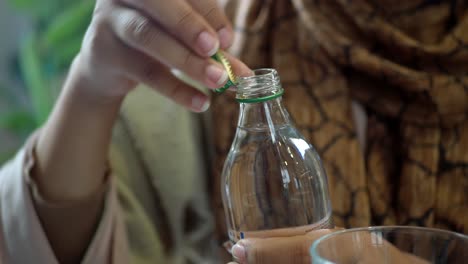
{"x": 296, "y": 250}
{"x": 293, "y": 249}
{"x": 132, "y": 41}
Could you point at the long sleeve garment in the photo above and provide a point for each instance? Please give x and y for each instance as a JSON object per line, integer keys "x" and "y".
{"x": 155, "y": 210}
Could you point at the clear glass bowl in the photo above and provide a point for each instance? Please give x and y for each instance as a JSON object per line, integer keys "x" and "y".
{"x": 391, "y": 244}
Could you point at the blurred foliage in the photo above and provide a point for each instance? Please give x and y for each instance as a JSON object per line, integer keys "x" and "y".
{"x": 44, "y": 57}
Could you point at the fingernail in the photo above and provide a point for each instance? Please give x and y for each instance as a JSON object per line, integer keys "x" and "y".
{"x": 216, "y": 74}
{"x": 239, "y": 253}
{"x": 207, "y": 43}
{"x": 225, "y": 37}
{"x": 200, "y": 103}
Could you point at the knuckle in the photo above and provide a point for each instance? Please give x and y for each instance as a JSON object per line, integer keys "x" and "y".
{"x": 211, "y": 11}
{"x": 188, "y": 59}
{"x": 186, "y": 17}
{"x": 139, "y": 30}
{"x": 95, "y": 39}
{"x": 173, "y": 91}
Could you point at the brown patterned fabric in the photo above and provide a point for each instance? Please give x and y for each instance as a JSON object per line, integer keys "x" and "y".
{"x": 406, "y": 63}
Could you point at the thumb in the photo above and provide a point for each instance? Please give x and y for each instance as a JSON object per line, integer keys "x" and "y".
{"x": 293, "y": 249}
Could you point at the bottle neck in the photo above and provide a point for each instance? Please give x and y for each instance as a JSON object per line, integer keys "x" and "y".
{"x": 264, "y": 85}
{"x": 263, "y": 115}
{"x": 260, "y": 101}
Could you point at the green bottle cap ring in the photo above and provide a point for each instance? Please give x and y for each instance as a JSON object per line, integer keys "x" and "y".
{"x": 228, "y": 85}
{"x": 261, "y": 99}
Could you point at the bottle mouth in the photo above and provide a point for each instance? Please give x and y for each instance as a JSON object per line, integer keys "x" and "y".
{"x": 264, "y": 85}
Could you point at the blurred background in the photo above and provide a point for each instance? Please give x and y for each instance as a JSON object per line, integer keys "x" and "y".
{"x": 38, "y": 41}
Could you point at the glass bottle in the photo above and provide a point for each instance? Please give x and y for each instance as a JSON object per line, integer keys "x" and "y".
{"x": 273, "y": 182}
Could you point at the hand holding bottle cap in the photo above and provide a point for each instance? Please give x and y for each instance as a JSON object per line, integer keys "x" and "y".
{"x": 219, "y": 57}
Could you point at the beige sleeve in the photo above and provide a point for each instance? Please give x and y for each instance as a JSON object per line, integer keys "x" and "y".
{"x": 24, "y": 215}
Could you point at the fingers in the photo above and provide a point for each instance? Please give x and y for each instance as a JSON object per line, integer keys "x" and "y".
{"x": 294, "y": 249}
{"x": 139, "y": 32}
{"x": 182, "y": 21}
{"x": 142, "y": 68}
{"x": 210, "y": 10}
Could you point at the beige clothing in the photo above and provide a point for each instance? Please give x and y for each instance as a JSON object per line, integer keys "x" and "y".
{"x": 155, "y": 146}
{"x": 22, "y": 238}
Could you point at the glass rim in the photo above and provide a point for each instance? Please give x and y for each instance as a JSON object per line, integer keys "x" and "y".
{"x": 263, "y": 85}
{"x": 313, "y": 249}
{"x": 259, "y": 72}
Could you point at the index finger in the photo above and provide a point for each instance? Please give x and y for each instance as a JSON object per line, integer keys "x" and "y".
{"x": 182, "y": 21}
{"x": 211, "y": 11}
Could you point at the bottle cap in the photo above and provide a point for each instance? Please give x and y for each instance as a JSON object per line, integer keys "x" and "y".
{"x": 219, "y": 57}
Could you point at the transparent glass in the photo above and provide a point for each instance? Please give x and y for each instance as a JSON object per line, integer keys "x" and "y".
{"x": 392, "y": 244}
{"x": 273, "y": 180}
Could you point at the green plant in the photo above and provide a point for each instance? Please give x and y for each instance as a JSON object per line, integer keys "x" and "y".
{"x": 44, "y": 58}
